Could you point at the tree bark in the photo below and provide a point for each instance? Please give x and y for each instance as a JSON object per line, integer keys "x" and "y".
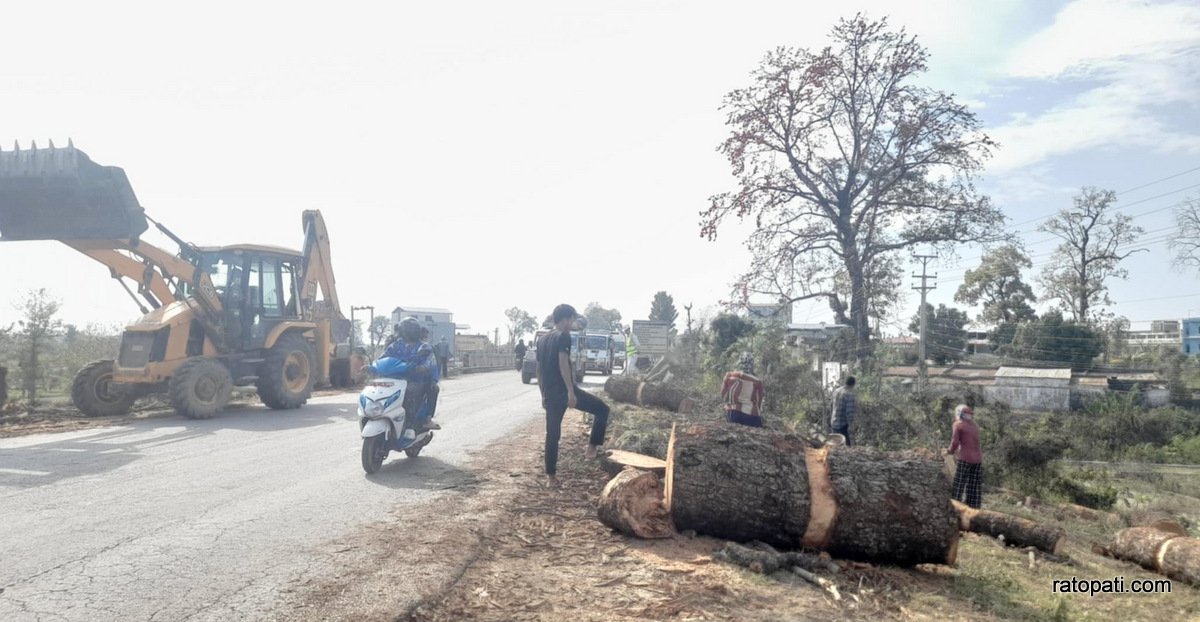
{"x": 631, "y": 503}
{"x": 1017, "y": 531}
{"x": 649, "y": 394}
{"x": 3, "y": 386}
{"x": 746, "y": 484}
{"x": 1166, "y": 552}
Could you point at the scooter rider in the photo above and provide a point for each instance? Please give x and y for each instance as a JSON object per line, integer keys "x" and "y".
{"x": 422, "y": 374}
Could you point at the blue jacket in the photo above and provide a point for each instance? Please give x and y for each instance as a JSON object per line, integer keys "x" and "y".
{"x": 416, "y": 355}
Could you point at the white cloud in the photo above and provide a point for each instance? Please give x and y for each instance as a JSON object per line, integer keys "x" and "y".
{"x": 1139, "y": 57}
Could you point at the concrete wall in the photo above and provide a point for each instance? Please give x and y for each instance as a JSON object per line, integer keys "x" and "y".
{"x": 1030, "y": 394}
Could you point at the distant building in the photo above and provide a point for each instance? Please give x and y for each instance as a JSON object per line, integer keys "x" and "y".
{"x": 1165, "y": 326}
{"x": 810, "y": 334}
{"x": 440, "y": 322}
{"x": 1190, "y": 336}
{"x": 977, "y": 339}
{"x": 767, "y": 313}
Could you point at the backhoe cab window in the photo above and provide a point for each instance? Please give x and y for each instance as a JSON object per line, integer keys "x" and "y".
{"x": 220, "y": 268}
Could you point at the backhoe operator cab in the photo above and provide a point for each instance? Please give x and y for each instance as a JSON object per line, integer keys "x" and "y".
{"x": 214, "y": 317}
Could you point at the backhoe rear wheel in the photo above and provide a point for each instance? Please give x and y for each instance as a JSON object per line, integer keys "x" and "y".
{"x": 200, "y": 388}
{"x": 94, "y": 394}
{"x": 285, "y": 379}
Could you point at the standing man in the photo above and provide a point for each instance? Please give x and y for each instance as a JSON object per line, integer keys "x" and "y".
{"x": 556, "y": 380}
{"x": 845, "y": 405}
{"x": 520, "y": 352}
{"x": 442, "y": 352}
{"x": 631, "y": 344}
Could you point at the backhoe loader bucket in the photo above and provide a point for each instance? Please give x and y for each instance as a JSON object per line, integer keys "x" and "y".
{"x": 60, "y": 194}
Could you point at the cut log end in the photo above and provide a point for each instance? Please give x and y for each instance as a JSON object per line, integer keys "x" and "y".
{"x": 631, "y": 503}
{"x": 616, "y": 460}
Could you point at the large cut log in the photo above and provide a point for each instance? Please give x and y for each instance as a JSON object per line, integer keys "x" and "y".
{"x": 1015, "y": 530}
{"x": 614, "y": 461}
{"x": 744, "y": 484}
{"x": 629, "y": 390}
{"x": 631, "y": 503}
{"x": 1167, "y": 552}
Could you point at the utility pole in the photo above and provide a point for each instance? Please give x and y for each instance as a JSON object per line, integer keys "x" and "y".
{"x": 924, "y": 287}
{"x": 688, "y": 308}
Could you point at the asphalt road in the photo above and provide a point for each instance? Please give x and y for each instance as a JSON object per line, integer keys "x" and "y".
{"x": 173, "y": 519}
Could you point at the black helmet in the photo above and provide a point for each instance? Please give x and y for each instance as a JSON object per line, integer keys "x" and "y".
{"x": 409, "y": 329}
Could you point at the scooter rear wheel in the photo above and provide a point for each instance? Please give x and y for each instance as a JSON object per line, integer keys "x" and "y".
{"x": 374, "y": 451}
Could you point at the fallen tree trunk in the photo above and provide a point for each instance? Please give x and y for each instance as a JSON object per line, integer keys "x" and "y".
{"x": 630, "y": 390}
{"x": 745, "y": 484}
{"x": 631, "y": 503}
{"x": 1014, "y": 530}
{"x": 615, "y": 461}
{"x": 1165, "y": 552}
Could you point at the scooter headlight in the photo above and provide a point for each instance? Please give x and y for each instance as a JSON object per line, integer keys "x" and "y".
{"x": 372, "y": 408}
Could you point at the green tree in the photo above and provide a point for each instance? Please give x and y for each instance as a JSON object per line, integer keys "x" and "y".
{"x": 1095, "y": 239}
{"x": 519, "y": 323}
{"x": 724, "y": 331}
{"x": 947, "y": 338}
{"x": 600, "y": 318}
{"x": 662, "y": 309}
{"x": 844, "y": 160}
{"x": 1052, "y": 339}
{"x": 38, "y": 328}
{"x": 996, "y": 285}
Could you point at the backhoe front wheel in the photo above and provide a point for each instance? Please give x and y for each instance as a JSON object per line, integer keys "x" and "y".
{"x": 95, "y": 395}
{"x": 286, "y": 377}
{"x": 200, "y": 388}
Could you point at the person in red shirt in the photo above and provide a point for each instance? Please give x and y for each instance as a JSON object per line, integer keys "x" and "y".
{"x": 742, "y": 394}
{"x": 968, "y": 476}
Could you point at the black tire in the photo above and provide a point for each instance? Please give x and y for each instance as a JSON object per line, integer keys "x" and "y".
{"x": 339, "y": 374}
{"x": 526, "y": 377}
{"x": 93, "y": 393}
{"x": 413, "y": 452}
{"x": 374, "y": 452}
{"x": 285, "y": 378}
{"x": 200, "y": 388}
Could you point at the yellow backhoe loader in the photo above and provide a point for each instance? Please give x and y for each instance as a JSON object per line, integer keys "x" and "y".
{"x": 214, "y": 317}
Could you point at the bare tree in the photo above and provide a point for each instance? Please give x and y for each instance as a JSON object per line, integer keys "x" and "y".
{"x": 1095, "y": 239}
{"x": 843, "y": 161}
{"x": 519, "y": 323}
{"x": 1185, "y": 243}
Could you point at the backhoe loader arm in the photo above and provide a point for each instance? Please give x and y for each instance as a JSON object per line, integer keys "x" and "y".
{"x": 318, "y": 271}
{"x": 155, "y": 273}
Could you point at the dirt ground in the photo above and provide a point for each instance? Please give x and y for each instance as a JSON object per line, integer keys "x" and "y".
{"x": 500, "y": 545}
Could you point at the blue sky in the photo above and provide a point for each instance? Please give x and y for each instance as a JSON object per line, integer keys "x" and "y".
{"x": 538, "y": 152}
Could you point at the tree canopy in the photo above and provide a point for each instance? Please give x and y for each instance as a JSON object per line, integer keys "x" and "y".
{"x": 662, "y": 309}
{"x": 600, "y": 318}
{"x": 996, "y": 285}
{"x": 1095, "y": 239}
{"x": 844, "y": 160}
{"x": 947, "y": 338}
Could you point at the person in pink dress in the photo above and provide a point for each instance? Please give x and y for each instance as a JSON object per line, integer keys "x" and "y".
{"x": 964, "y": 446}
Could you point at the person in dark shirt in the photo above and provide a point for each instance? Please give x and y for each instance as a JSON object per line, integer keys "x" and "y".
{"x": 520, "y": 350}
{"x": 556, "y": 380}
{"x": 442, "y": 352}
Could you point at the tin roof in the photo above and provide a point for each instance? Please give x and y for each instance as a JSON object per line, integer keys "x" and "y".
{"x": 1033, "y": 372}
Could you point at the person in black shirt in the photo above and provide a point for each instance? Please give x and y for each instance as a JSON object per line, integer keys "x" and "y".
{"x": 556, "y": 380}
{"x": 520, "y": 352}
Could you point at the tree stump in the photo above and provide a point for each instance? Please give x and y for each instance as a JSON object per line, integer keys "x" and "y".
{"x": 745, "y": 484}
{"x": 1017, "y": 531}
{"x": 632, "y": 503}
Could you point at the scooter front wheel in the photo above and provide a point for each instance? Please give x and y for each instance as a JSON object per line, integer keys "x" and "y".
{"x": 374, "y": 451}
